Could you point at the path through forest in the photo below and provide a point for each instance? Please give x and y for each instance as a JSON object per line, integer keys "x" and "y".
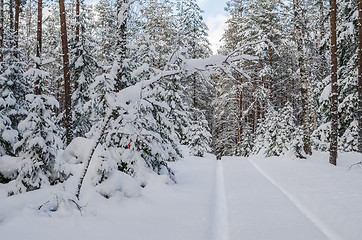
{"x": 257, "y": 209}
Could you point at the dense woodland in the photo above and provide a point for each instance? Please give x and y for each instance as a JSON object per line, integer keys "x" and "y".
{"x": 135, "y": 79}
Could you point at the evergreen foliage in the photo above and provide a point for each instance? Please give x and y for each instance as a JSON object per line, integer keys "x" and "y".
{"x": 39, "y": 146}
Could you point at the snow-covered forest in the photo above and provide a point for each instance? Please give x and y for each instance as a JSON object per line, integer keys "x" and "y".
{"x": 105, "y": 98}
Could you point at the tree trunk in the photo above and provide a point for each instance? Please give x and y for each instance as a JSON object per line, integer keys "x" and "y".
{"x": 122, "y": 14}
{"x": 334, "y": 93}
{"x": 101, "y": 136}
{"x": 1, "y": 28}
{"x": 240, "y": 118}
{"x": 77, "y": 26}
{"x": 303, "y": 78}
{"x": 312, "y": 109}
{"x": 28, "y": 30}
{"x": 67, "y": 92}
{"x": 194, "y": 92}
{"x": 77, "y": 32}
{"x": 360, "y": 76}
{"x": 271, "y": 67}
{"x": 39, "y": 42}
{"x": 16, "y": 27}
{"x": 11, "y": 14}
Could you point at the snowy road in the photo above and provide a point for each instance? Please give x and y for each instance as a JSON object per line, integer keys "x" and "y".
{"x": 232, "y": 199}
{"x": 259, "y": 210}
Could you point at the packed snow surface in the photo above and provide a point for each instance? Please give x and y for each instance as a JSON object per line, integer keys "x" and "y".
{"x": 236, "y": 198}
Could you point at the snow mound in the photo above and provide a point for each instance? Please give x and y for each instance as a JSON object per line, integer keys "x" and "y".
{"x": 9, "y": 166}
{"x": 78, "y": 150}
{"x": 119, "y": 181}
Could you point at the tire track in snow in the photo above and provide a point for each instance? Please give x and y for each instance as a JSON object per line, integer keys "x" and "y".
{"x": 324, "y": 228}
{"x": 219, "y": 217}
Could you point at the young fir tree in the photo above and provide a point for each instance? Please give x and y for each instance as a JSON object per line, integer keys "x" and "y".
{"x": 199, "y": 135}
{"x": 13, "y": 88}
{"x": 278, "y": 134}
{"x": 39, "y": 145}
{"x": 83, "y": 66}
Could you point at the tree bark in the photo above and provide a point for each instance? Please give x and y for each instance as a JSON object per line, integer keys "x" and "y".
{"x": 28, "y": 30}
{"x": 303, "y": 78}
{"x": 271, "y": 67}
{"x": 240, "y": 117}
{"x": 39, "y": 42}
{"x": 360, "y": 76}
{"x": 334, "y": 103}
{"x": 67, "y": 91}
{"x": 1, "y": 28}
{"x": 312, "y": 109}
{"x": 122, "y": 14}
{"x": 11, "y": 14}
{"x": 77, "y": 26}
{"x": 16, "y": 26}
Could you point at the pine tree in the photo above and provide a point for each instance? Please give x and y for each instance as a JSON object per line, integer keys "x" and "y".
{"x": 302, "y": 72}
{"x": 334, "y": 83}
{"x": 66, "y": 74}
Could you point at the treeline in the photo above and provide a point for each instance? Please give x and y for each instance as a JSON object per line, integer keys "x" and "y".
{"x": 290, "y": 100}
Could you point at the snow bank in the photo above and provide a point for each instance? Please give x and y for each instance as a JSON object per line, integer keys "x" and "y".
{"x": 9, "y": 166}
{"x": 163, "y": 211}
{"x": 119, "y": 181}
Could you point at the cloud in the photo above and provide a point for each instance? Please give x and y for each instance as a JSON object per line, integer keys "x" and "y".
{"x": 201, "y": 2}
{"x": 217, "y": 26}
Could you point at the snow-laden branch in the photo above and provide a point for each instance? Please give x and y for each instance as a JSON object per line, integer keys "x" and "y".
{"x": 222, "y": 62}
{"x": 123, "y": 8}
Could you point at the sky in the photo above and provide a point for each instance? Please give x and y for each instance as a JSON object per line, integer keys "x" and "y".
{"x": 215, "y": 17}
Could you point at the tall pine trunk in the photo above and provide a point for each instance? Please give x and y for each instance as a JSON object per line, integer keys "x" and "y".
{"x": 67, "y": 91}
{"x": 39, "y": 42}
{"x": 334, "y": 103}
{"x": 16, "y": 26}
{"x": 77, "y": 26}
{"x": 303, "y": 78}
{"x": 360, "y": 76}
{"x": 240, "y": 117}
{"x": 11, "y": 14}
{"x": 1, "y": 28}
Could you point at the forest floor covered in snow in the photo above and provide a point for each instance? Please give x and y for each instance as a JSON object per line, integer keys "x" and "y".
{"x": 252, "y": 198}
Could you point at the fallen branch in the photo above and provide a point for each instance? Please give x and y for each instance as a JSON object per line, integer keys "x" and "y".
{"x": 355, "y": 164}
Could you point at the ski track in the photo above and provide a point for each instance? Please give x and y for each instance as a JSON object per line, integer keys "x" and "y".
{"x": 326, "y": 230}
{"x": 220, "y": 223}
